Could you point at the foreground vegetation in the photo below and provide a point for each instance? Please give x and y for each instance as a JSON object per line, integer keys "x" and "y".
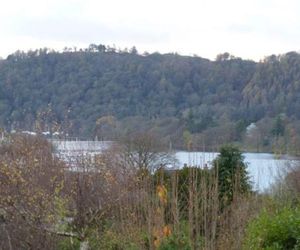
{"x": 126, "y": 198}
{"x": 105, "y": 92}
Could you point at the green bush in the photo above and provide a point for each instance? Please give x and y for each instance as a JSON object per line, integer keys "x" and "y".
{"x": 68, "y": 244}
{"x": 274, "y": 231}
{"x": 176, "y": 242}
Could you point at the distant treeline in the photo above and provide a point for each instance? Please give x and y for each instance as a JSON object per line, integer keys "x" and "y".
{"x": 105, "y": 92}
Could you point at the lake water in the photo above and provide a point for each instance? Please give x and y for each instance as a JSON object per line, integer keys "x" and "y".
{"x": 263, "y": 168}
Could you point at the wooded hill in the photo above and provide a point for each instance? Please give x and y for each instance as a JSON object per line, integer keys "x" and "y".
{"x": 104, "y": 92}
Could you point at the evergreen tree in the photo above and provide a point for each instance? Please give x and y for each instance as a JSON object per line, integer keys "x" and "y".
{"x": 232, "y": 174}
{"x": 278, "y": 127}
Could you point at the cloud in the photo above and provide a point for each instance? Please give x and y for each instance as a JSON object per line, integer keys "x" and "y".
{"x": 85, "y": 31}
{"x": 250, "y": 29}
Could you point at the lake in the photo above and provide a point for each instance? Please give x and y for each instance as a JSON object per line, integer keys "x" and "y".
{"x": 263, "y": 168}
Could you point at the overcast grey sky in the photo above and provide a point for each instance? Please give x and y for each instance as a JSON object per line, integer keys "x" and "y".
{"x": 249, "y": 29}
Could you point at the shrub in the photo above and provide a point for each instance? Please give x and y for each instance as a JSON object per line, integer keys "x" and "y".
{"x": 280, "y": 230}
{"x": 176, "y": 242}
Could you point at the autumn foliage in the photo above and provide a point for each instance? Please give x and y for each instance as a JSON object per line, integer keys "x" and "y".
{"x": 31, "y": 182}
{"x": 119, "y": 199}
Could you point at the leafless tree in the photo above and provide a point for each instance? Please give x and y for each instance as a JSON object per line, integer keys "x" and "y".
{"x": 146, "y": 152}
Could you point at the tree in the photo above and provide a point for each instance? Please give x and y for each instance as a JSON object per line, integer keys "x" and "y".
{"x": 101, "y": 48}
{"x": 232, "y": 174}
{"x": 105, "y": 127}
{"x": 133, "y": 50}
{"x": 41, "y": 201}
{"x": 223, "y": 57}
{"x": 146, "y": 152}
{"x": 94, "y": 192}
{"x": 31, "y": 183}
{"x": 278, "y": 127}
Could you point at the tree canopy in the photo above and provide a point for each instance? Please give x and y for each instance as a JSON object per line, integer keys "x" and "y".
{"x": 71, "y": 90}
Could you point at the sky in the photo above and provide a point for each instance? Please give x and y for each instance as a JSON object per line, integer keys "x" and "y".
{"x": 248, "y": 29}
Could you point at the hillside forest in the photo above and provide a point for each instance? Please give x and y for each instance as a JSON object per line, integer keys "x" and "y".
{"x": 103, "y": 92}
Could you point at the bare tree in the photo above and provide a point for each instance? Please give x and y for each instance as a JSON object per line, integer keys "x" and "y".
{"x": 146, "y": 152}
{"x": 99, "y": 190}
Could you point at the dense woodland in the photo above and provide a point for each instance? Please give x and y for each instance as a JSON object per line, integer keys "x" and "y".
{"x": 191, "y": 101}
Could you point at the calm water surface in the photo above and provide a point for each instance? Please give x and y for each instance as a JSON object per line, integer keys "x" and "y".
{"x": 263, "y": 168}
